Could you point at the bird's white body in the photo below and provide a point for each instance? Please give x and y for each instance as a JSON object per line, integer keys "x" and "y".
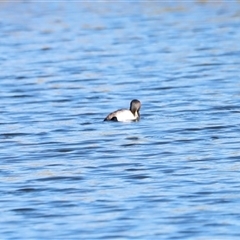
{"x": 124, "y": 115}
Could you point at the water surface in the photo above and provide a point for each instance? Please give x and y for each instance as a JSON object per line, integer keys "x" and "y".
{"x": 66, "y": 174}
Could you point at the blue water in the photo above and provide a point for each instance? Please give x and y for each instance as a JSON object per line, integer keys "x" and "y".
{"x": 66, "y": 174}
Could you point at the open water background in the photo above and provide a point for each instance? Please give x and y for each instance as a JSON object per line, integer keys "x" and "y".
{"x": 66, "y": 174}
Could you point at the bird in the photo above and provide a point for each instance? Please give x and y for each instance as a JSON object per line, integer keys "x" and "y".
{"x": 123, "y": 115}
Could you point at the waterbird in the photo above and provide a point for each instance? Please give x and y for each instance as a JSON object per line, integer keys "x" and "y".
{"x": 123, "y": 115}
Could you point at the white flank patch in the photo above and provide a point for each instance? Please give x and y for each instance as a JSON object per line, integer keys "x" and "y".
{"x": 125, "y": 115}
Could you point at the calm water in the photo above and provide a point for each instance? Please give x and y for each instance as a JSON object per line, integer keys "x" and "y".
{"x": 66, "y": 174}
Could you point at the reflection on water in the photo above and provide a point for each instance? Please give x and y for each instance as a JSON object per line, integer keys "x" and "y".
{"x": 65, "y": 66}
